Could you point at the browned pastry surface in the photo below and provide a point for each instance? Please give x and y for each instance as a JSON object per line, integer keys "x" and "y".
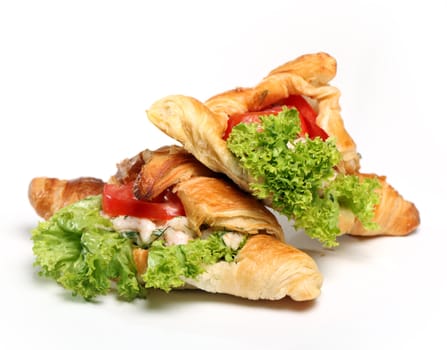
{"x": 200, "y": 126}
{"x": 394, "y": 215}
{"x": 48, "y": 195}
{"x": 219, "y": 204}
{"x": 200, "y": 131}
{"x": 265, "y": 268}
{"x": 129, "y": 168}
{"x": 308, "y": 75}
{"x": 165, "y": 167}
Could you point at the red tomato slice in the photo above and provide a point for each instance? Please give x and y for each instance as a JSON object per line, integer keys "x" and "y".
{"x": 306, "y": 114}
{"x": 120, "y": 200}
{"x": 249, "y": 117}
{"x": 253, "y": 117}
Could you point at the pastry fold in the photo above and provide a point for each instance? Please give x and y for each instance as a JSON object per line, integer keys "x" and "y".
{"x": 200, "y": 131}
{"x": 264, "y": 268}
{"x": 200, "y": 127}
{"x": 309, "y": 76}
{"x": 217, "y": 203}
{"x": 207, "y": 200}
{"x": 164, "y": 168}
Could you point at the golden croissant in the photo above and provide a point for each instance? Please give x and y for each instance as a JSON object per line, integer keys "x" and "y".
{"x": 255, "y": 262}
{"x": 309, "y": 76}
{"x": 202, "y": 129}
{"x": 48, "y": 195}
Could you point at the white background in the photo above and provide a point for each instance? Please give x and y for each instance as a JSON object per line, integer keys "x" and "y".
{"x": 75, "y": 81}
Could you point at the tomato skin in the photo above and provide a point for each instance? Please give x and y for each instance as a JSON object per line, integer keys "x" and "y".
{"x": 307, "y": 115}
{"x": 120, "y": 200}
{"x": 248, "y": 117}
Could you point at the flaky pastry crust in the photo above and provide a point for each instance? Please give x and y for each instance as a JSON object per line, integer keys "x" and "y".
{"x": 47, "y": 195}
{"x": 200, "y": 127}
{"x": 217, "y": 203}
{"x": 394, "y": 215}
{"x": 164, "y": 168}
{"x": 308, "y": 75}
{"x": 200, "y": 131}
{"x": 265, "y": 268}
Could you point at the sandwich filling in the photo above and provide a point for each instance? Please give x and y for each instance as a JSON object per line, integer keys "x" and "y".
{"x": 88, "y": 251}
{"x": 294, "y": 165}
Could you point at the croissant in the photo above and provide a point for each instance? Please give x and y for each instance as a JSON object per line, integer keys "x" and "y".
{"x": 264, "y": 268}
{"x": 200, "y": 126}
{"x": 200, "y": 131}
{"x": 207, "y": 201}
{"x": 48, "y": 195}
{"x": 395, "y": 215}
{"x": 309, "y": 76}
{"x": 166, "y": 167}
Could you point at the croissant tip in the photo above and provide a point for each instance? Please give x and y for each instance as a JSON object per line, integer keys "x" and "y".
{"x": 307, "y": 290}
{"x": 34, "y": 190}
{"x": 414, "y": 218}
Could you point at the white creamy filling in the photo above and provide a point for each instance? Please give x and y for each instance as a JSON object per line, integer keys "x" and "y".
{"x": 129, "y": 223}
{"x": 173, "y": 237}
{"x": 175, "y": 231}
{"x": 232, "y": 240}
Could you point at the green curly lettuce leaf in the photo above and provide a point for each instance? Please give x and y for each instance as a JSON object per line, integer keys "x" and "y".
{"x": 79, "y": 249}
{"x": 298, "y": 175}
{"x": 168, "y": 266}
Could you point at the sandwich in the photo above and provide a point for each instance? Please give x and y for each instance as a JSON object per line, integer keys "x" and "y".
{"x": 164, "y": 221}
{"x": 284, "y": 141}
